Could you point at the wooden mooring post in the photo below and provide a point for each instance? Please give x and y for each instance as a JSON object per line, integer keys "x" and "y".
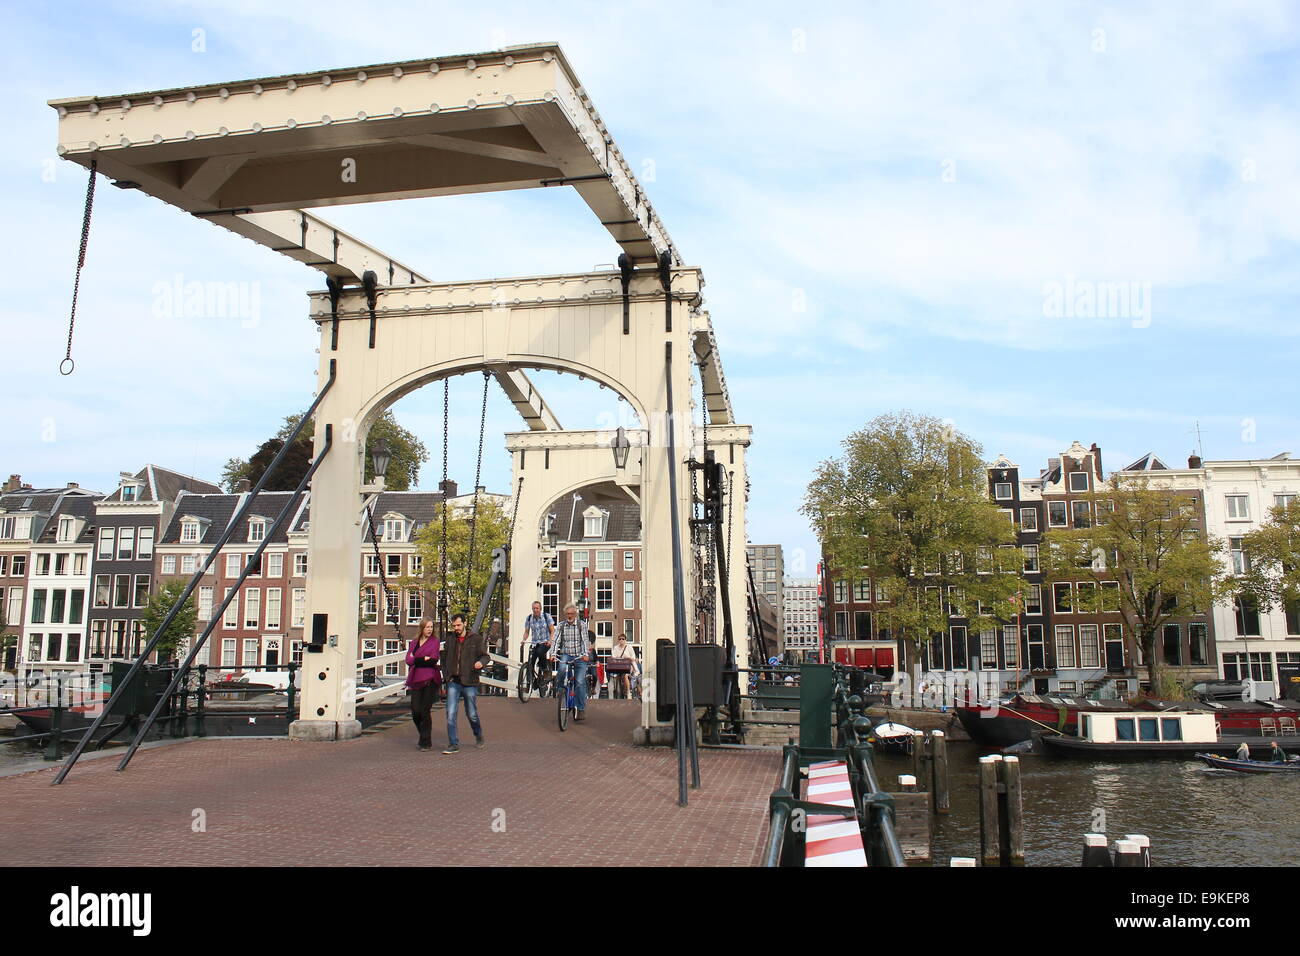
{"x": 912, "y": 820}
{"x": 939, "y": 770}
{"x": 1002, "y": 840}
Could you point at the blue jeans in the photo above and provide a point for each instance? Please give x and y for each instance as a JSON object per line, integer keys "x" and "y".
{"x": 581, "y": 666}
{"x": 455, "y": 691}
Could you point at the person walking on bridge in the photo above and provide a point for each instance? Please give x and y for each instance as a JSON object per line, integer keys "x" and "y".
{"x": 423, "y": 679}
{"x": 462, "y": 659}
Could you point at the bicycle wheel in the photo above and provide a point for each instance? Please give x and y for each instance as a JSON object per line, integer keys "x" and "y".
{"x": 525, "y": 685}
{"x": 562, "y": 699}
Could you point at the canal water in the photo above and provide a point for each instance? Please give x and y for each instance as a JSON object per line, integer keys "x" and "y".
{"x": 1194, "y": 816}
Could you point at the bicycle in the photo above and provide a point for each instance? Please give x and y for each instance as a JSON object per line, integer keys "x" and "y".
{"x": 568, "y": 695}
{"x": 530, "y": 682}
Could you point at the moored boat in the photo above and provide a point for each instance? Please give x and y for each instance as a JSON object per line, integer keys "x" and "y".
{"x": 1150, "y": 734}
{"x": 1292, "y": 765}
{"x": 890, "y": 737}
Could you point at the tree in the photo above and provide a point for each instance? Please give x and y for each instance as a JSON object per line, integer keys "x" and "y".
{"x": 493, "y": 528}
{"x": 1272, "y": 577}
{"x": 908, "y": 505}
{"x": 1152, "y": 542}
{"x": 408, "y": 455}
{"x": 181, "y": 627}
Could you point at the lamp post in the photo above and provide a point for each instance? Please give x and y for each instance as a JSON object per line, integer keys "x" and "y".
{"x": 552, "y": 535}
{"x": 380, "y": 455}
{"x": 620, "y": 446}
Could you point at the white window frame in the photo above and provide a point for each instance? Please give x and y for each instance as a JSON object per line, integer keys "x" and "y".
{"x": 1237, "y": 507}
{"x": 300, "y": 564}
{"x": 1032, "y": 523}
{"x": 273, "y": 609}
{"x": 189, "y": 531}
{"x": 252, "y": 608}
{"x": 629, "y": 595}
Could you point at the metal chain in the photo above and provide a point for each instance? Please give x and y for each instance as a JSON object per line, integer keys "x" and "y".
{"x": 442, "y": 551}
{"x": 81, "y": 262}
{"x": 473, "y": 515}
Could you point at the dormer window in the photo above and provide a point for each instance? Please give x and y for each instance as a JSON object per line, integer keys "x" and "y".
{"x": 256, "y": 529}
{"x": 129, "y": 492}
{"x": 66, "y": 532}
{"x": 593, "y": 522}
{"x": 189, "y": 531}
{"x": 395, "y": 529}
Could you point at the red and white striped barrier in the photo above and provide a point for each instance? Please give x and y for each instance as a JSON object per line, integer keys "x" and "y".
{"x": 832, "y": 841}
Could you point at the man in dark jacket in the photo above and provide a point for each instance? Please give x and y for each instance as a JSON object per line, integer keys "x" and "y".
{"x": 462, "y": 659}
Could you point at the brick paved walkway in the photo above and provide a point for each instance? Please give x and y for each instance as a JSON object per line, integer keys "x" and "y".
{"x": 383, "y": 802}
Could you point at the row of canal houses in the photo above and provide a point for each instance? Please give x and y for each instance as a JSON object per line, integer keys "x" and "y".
{"x": 77, "y": 570}
{"x": 1055, "y": 647}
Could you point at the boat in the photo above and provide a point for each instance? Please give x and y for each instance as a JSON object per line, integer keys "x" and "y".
{"x": 1135, "y": 733}
{"x": 891, "y": 738}
{"x": 1292, "y": 765}
{"x": 1015, "y": 718}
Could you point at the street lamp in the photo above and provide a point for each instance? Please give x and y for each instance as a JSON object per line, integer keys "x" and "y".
{"x": 620, "y": 446}
{"x": 552, "y": 536}
{"x": 380, "y": 455}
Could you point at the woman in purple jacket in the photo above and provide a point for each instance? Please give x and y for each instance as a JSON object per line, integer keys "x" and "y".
{"x": 423, "y": 679}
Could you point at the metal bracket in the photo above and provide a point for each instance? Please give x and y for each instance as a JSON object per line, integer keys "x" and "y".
{"x": 370, "y": 285}
{"x": 625, "y": 270}
{"x": 335, "y": 287}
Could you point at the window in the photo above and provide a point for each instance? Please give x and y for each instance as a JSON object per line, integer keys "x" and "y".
{"x": 231, "y": 617}
{"x": 392, "y": 565}
{"x": 1033, "y": 599}
{"x": 1247, "y": 613}
{"x": 130, "y": 492}
{"x": 1065, "y": 645}
{"x": 300, "y": 565}
{"x": 629, "y": 595}
{"x": 1029, "y": 519}
{"x": 272, "y": 609}
{"x": 169, "y": 564}
{"x": 1002, "y": 490}
{"x": 275, "y": 565}
{"x": 983, "y": 560}
{"x": 841, "y": 592}
{"x": 20, "y": 565}
{"x": 391, "y": 646}
{"x": 141, "y": 595}
{"x": 593, "y": 525}
{"x": 42, "y": 568}
{"x": 416, "y": 564}
{"x": 250, "y": 652}
{"x": 579, "y": 560}
{"x": 1011, "y": 646}
{"x": 1061, "y": 598}
{"x": 125, "y": 543}
{"x": 105, "y": 550}
{"x": 604, "y": 560}
{"x": 629, "y": 629}
{"x": 118, "y": 648}
{"x": 370, "y": 604}
{"x": 1238, "y": 507}
{"x": 551, "y": 599}
{"x": 393, "y": 606}
{"x": 841, "y": 624}
{"x": 232, "y": 565}
{"x": 189, "y": 531}
{"x": 1283, "y": 501}
{"x": 604, "y": 595}
{"x": 394, "y": 529}
{"x": 98, "y": 633}
{"x": 1171, "y": 728}
{"x": 190, "y": 563}
{"x": 1056, "y": 514}
{"x": 256, "y": 530}
{"x": 1082, "y": 514}
{"x": 629, "y": 560}
{"x": 4, "y": 565}
{"x": 1085, "y": 601}
{"x": 1173, "y": 644}
{"x": 862, "y": 625}
{"x": 14, "y": 610}
{"x": 58, "y": 601}
{"x": 60, "y": 564}
{"x": 101, "y": 590}
{"x": 253, "y": 608}
{"x": 989, "y": 650}
{"x": 144, "y": 544}
{"x": 205, "y": 604}
{"x": 299, "y": 618}
{"x": 122, "y": 590}
{"x": 862, "y": 589}
{"x": 414, "y": 605}
{"x": 372, "y": 565}
{"x": 1089, "y": 646}
{"x": 228, "y": 652}
{"x": 1240, "y": 559}
{"x": 1149, "y": 728}
{"x": 1078, "y": 481}
{"x": 1110, "y": 597}
{"x": 1291, "y": 612}
{"x": 1030, "y": 552}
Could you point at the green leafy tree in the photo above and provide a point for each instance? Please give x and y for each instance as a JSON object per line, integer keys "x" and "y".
{"x": 493, "y": 528}
{"x": 1152, "y": 542}
{"x": 907, "y": 505}
{"x": 408, "y": 455}
{"x": 181, "y": 627}
{"x": 1273, "y": 550}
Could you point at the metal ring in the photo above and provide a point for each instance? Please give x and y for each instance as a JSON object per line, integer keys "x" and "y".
{"x": 70, "y": 366}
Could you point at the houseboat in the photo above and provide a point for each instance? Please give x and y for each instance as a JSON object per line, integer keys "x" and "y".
{"x": 1137, "y": 733}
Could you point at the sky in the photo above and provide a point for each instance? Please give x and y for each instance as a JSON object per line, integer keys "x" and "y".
{"x": 895, "y": 205}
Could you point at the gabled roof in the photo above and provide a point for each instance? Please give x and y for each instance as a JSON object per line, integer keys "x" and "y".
{"x": 1148, "y": 462}
{"x": 163, "y": 484}
{"x": 624, "y": 522}
{"x": 78, "y": 506}
{"x": 219, "y": 509}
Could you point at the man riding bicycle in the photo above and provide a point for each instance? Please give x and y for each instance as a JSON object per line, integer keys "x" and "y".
{"x": 570, "y": 647}
{"x": 539, "y": 629}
